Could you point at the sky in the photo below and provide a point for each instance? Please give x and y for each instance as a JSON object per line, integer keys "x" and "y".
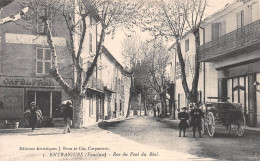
{"x": 114, "y": 45}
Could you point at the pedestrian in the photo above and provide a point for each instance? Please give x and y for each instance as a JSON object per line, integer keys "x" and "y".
{"x": 158, "y": 110}
{"x": 35, "y": 115}
{"x": 196, "y": 116}
{"x": 183, "y": 116}
{"x": 68, "y": 116}
{"x": 154, "y": 111}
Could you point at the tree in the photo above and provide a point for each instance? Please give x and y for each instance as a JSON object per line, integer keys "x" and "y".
{"x": 11, "y": 18}
{"x": 130, "y": 53}
{"x": 109, "y": 15}
{"x": 154, "y": 63}
{"x": 173, "y": 19}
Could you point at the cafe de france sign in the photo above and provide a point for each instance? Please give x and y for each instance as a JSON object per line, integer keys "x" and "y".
{"x": 13, "y": 81}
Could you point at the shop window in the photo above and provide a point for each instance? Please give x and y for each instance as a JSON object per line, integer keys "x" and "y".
{"x": 43, "y": 60}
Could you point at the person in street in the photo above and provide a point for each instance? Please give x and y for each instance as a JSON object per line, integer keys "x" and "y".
{"x": 68, "y": 116}
{"x": 196, "y": 116}
{"x": 154, "y": 111}
{"x": 183, "y": 116}
{"x": 35, "y": 116}
{"x": 158, "y": 110}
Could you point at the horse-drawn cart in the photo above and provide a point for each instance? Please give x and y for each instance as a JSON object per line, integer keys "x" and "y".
{"x": 227, "y": 114}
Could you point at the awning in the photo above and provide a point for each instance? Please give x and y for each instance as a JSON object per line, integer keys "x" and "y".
{"x": 109, "y": 90}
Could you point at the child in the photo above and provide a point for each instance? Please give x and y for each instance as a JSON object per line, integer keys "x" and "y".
{"x": 183, "y": 116}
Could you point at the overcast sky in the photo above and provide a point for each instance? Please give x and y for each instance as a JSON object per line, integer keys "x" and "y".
{"x": 114, "y": 45}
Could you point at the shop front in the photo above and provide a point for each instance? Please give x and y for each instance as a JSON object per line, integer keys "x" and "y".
{"x": 240, "y": 84}
{"x": 16, "y": 93}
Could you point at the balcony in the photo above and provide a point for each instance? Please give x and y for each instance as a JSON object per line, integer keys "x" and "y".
{"x": 95, "y": 84}
{"x": 245, "y": 39}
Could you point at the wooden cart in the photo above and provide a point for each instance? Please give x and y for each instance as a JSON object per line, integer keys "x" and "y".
{"x": 227, "y": 114}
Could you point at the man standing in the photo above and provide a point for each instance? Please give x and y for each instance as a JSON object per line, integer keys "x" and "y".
{"x": 35, "y": 115}
{"x": 183, "y": 116}
{"x": 196, "y": 116}
{"x": 68, "y": 116}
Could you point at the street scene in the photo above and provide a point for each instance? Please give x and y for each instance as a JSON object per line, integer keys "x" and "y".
{"x": 135, "y": 135}
{"x": 129, "y": 80}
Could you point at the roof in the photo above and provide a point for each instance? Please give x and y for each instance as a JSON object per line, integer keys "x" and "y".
{"x": 92, "y": 9}
{"x": 113, "y": 60}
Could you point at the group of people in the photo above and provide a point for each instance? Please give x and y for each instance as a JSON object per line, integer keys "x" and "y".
{"x": 196, "y": 115}
{"x": 36, "y": 115}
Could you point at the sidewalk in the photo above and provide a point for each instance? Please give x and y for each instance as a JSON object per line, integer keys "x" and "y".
{"x": 174, "y": 123}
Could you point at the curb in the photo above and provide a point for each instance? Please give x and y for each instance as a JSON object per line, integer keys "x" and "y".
{"x": 112, "y": 122}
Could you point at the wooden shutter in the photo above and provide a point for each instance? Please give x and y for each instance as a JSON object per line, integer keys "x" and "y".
{"x": 215, "y": 31}
{"x": 48, "y": 54}
{"x": 90, "y": 42}
{"x": 47, "y": 67}
{"x": 39, "y": 67}
{"x": 222, "y": 28}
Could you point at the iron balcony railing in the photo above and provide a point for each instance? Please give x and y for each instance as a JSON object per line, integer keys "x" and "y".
{"x": 231, "y": 42}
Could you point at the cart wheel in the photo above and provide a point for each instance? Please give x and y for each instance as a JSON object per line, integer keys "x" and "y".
{"x": 228, "y": 128}
{"x": 202, "y": 126}
{"x": 210, "y": 124}
{"x": 241, "y": 126}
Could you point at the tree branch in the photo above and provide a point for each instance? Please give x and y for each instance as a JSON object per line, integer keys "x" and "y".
{"x": 13, "y": 18}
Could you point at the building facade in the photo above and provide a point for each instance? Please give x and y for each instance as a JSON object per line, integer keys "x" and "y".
{"x": 229, "y": 56}
{"x": 232, "y": 40}
{"x": 25, "y": 62}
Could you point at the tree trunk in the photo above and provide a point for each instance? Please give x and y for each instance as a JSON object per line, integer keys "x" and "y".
{"x": 163, "y": 104}
{"x": 129, "y": 105}
{"x": 183, "y": 73}
{"x": 194, "y": 90}
{"x": 145, "y": 109}
{"x": 78, "y": 112}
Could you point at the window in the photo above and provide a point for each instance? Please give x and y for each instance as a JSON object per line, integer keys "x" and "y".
{"x": 41, "y": 29}
{"x": 218, "y": 29}
{"x": 90, "y": 21}
{"x": 187, "y": 45}
{"x": 240, "y": 19}
{"x": 43, "y": 60}
{"x": 90, "y": 42}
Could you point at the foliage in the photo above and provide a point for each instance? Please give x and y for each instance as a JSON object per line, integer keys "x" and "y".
{"x": 72, "y": 17}
{"x": 173, "y": 20}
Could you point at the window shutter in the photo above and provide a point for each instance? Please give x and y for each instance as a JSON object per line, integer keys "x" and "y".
{"x": 39, "y": 67}
{"x": 187, "y": 67}
{"x": 215, "y": 31}
{"x": 240, "y": 19}
{"x": 223, "y": 28}
{"x": 186, "y": 45}
{"x": 39, "y": 54}
{"x": 90, "y": 42}
{"x": 40, "y": 26}
{"x": 47, "y": 54}
{"x": 47, "y": 67}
